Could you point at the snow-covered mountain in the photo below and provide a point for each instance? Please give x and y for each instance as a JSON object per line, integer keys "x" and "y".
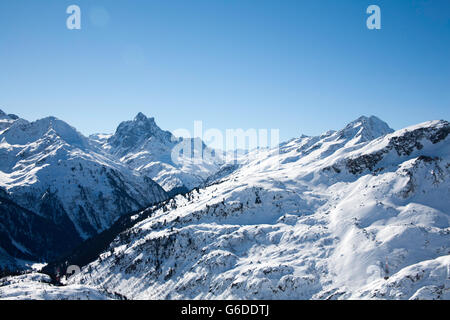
{"x": 6, "y": 120}
{"x": 59, "y": 176}
{"x": 358, "y": 213}
{"x": 143, "y": 146}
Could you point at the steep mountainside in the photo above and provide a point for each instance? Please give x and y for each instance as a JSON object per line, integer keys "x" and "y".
{"x": 358, "y": 213}
{"x": 6, "y": 120}
{"x": 143, "y": 146}
{"x": 26, "y": 236}
{"x": 57, "y": 175}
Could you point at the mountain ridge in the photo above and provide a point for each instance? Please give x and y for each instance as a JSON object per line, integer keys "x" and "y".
{"x": 54, "y": 171}
{"x": 142, "y": 145}
{"x": 317, "y": 218}
{"x": 299, "y": 231}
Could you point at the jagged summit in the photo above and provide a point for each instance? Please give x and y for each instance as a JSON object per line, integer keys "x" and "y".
{"x": 131, "y": 134}
{"x": 8, "y": 116}
{"x": 6, "y": 120}
{"x": 143, "y": 145}
{"x": 147, "y": 123}
{"x": 142, "y": 117}
{"x": 140, "y": 124}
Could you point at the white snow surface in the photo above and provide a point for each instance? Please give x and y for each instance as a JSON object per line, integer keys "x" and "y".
{"x": 353, "y": 214}
{"x": 37, "y": 286}
{"x": 360, "y": 213}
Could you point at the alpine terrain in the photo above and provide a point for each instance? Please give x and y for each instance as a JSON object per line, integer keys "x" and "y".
{"x": 143, "y": 146}
{"x": 359, "y": 213}
{"x": 58, "y": 188}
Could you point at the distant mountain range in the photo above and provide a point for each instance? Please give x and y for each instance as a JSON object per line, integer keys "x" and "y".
{"x": 73, "y": 187}
{"x": 362, "y": 212}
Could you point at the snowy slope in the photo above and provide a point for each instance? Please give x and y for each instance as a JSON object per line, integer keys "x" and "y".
{"x": 51, "y": 170}
{"x": 143, "y": 146}
{"x": 37, "y": 286}
{"x": 360, "y": 213}
{"x": 426, "y": 280}
{"x": 326, "y": 217}
{"x": 6, "y": 120}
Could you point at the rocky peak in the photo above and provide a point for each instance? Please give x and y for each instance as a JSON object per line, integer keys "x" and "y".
{"x": 8, "y": 116}
{"x": 365, "y": 129}
{"x": 6, "y": 120}
{"x": 142, "y": 117}
{"x": 131, "y": 134}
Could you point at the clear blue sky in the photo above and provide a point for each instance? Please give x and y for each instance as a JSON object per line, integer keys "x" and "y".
{"x": 301, "y": 66}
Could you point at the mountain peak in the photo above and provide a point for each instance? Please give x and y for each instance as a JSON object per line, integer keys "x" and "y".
{"x": 366, "y": 129}
{"x": 130, "y": 134}
{"x": 370, "y": 119}
{"x": 364, "y": 120}
{"x": 10, "y": 116}
{"x": 23, "y": 132}
{"x": 142, "y": 120}
{"x": 141, "y": 117}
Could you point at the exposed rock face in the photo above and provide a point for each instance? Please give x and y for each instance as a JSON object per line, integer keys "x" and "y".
{"x": 6, "y": 120}
{"x": 404, "y": 145}
{"x": 131, "y": 135}
{"x": 143, "y": 146}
